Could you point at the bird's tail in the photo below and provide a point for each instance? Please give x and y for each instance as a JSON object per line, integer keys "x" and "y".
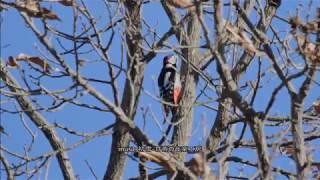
{"x": 165, "y": 136}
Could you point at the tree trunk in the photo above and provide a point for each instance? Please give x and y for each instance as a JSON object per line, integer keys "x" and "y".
{"x": 181, "y": 132}
{"x": 130, "y": 99}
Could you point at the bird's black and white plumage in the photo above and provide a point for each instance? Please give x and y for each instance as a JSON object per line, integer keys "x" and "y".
{"x": 169, "y": 83}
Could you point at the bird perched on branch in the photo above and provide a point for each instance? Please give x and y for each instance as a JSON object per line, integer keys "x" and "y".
{"x": 169, "y": 84}
{"x": 183, "y": 4}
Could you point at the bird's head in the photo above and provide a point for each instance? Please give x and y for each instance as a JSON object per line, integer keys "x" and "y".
{"x": 170, "y": 60}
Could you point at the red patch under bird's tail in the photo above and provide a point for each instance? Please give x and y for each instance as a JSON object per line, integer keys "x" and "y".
{"x": 176, "y": 95}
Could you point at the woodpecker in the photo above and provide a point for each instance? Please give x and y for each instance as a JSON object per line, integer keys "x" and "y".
{"x": 169, "y": 84}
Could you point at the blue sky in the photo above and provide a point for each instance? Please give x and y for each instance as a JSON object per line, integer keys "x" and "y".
{"x": 17, "y": 38}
